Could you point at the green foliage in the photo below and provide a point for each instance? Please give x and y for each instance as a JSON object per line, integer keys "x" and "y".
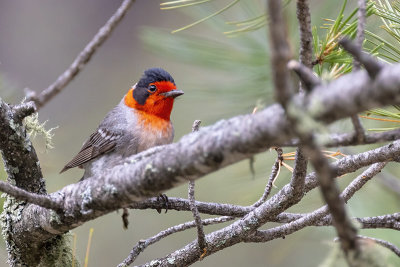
{"x": 332, "y": 60}
{"x": 389, "y": 13}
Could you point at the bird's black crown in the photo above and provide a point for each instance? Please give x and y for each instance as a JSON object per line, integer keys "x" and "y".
{"x": 154, "y": 75}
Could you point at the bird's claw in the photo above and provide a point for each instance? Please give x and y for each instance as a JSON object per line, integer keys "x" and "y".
{"x": 163, "y": 199}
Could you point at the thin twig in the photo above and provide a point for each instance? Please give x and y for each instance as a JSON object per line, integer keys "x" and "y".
{"x": 299, "y": 172}
{"x": 313, "y": 217}
{"x": 201, "y": 239}
{"x": 306, "y": 49}
{"x": 305, "y": 74}
{"x": 143, "y": 244}
{"x": 280, "y": 52}
{"x": 331, "y": 194}
{"x": 361, "y": 16}
{"x": 371, "y": 65}
{"x": 82, "y": 59}
{"x": 41, "y": 200}
{"x": 359, "y": 131}
{"x": 358, "y": 128}
{"x": 383, "y": 243}
{"x": 347, "y": 139}
{"x": 24, "y": 110}
{"x": 272, "y": 177}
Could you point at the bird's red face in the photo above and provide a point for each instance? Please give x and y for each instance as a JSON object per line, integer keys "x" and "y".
{"x": 154, "y": 94}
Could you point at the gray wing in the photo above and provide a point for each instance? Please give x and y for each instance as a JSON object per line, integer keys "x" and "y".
{"x": 100, "y": 142}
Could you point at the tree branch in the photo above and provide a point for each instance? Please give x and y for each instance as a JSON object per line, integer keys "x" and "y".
{"x": 314, "y": 217}
{"x": 305, "y": 74}
{"x": 24, "y": 110}
{"x": 143, "y": 244}
{"x": 280, "y": 52}
{"x": 239, "y": 231}
{"x": 358, "y": 128}
{"x": 372, "y": 66}
{"x": 347, "y": 139}
{"x": 304, "y": 20}
{"x": 201, "y": 239}
{"x": 41, "y": 200}
{"x": 383, "y": 243}
{"x": 161, "y": 168}
{"x": 274, "y": 174}
{"x": 82, "y": 59}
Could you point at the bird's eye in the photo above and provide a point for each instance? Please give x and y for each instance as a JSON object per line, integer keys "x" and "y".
{"x": 152, "y": 88}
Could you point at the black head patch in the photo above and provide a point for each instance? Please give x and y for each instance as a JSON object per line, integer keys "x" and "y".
{"x": 140, "y": 94}
{"x": 154, "y": 75}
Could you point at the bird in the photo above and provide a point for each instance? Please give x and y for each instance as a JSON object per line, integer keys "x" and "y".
{"x": 140, "y": 121}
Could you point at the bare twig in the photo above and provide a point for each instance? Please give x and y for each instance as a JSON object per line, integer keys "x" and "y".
{"x": 41, "y": 200}
{"x": 306, "y": 75}
{"x": 196, "y": 125}
{"x": 201, "y": 239}
{"x": 313, "y": 217}
{"x": 83, "y": 58}
{"x": 304, "y": 19}
{"x": 274, "y": 174}
{"x": 381, "y": 242}
{"x": 280, "y": 52}
{"x": 143, "y": 244}
{"x": 299, "y": 172}
{"x": 372, "y": 66}
{"x": 347, "y": 139}
{"x": 361, "y": 16}
{"x": 330, "y": 192}
{"x": 359, "y": 132}
{"x": 358, "y": 128}
{"x": 24, "y": 110}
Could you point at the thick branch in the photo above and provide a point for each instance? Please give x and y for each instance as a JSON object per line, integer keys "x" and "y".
{"x": 83, "y": 58}
{"x": 19, "y": 156}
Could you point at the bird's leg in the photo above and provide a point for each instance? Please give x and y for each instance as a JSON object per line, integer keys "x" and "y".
{"x": 124, "y": 216}
{"x": 163, "y": 199}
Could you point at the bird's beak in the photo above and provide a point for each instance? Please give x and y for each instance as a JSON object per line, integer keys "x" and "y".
{"x": 173, "y": 93}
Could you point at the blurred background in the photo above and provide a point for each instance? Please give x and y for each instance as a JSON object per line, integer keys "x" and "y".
{"x": 222, "y": 76}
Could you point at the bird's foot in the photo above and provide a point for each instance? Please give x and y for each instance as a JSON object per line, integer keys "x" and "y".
{"x": 163, "y": 199}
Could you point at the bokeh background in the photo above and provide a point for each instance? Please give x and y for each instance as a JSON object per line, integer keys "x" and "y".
{"x": 221, "y": 77}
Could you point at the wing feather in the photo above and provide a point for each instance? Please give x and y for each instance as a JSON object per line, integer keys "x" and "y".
{"x": 100, "y": 142}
